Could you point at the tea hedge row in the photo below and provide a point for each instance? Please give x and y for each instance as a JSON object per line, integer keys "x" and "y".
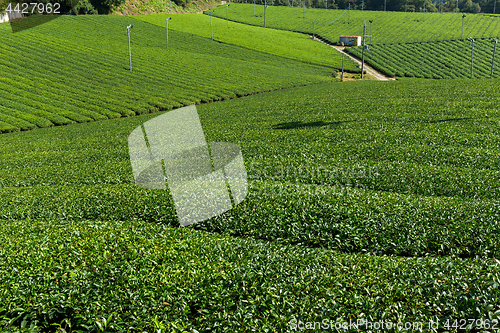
{"x": 387, "y": 27}
{"x": 444, "y": 60}
{"x": 80, "y": 64}
{"x": 137, "y": 276}
{"x": 352, "y": 176}
{"x": 280, "y": 43}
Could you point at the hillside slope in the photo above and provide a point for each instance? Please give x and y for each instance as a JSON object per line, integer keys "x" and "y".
{"x": 76, "y": 69}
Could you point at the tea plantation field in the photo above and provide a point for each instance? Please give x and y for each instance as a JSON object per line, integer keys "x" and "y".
{"x": 449, "y": 60}
{"x": 281, "y": 43}
{"x": 381, "y": 207}
{"x": 75, "y": 69}
{"x": 387, "y": 27}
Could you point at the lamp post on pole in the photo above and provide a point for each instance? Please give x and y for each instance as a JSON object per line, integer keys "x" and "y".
{"x": 493, "y": 60}
{"x": 168, "y": 19}
{"x": 129, "y": 51}
{"x": 472, "y": 57}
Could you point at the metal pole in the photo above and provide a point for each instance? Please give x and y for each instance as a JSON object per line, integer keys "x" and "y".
{"x": 211, "y": 26}
{"x": 423, "y": 18}
{"x": 129, "y": 51}
{"x": 472, "y": 58}
{"x": 362, "y": 5}
{"x": 227, "y": 15}
{"x": 385, "y": 5}
{"x": 167, "y": 31}
{"x": 265, "y": 10}
{"x": 313, "y": 29}
{"x": 169, "y": 6}
{"x": 493, "y": 60}
{"x": 349, "y": 14}
{"x": 123, "y": 6}
{"x": 363, "y": 45}
{"x": 253, "y": 7}
{"x": 342, "y": 75}
{"x": 304, "y": 9}
{"x": 494, "y": 6}
{"x": 371, "y": 32}
{"x": 326, "y": 4}
{"x": 463, "y": 17}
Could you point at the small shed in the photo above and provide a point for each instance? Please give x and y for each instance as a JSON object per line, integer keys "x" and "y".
{"x": 350, "y": 40}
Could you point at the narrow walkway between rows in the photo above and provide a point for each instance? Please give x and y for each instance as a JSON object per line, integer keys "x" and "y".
{"x": 369, "y": 70}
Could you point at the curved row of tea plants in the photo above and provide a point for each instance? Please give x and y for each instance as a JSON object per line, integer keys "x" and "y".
{"x": 387, "y": 27}
{"x": 75, "y": 69}
{"x": 405, "y": 168}
{"x": 281, "y": 43}
{"x": 443, "y": 60}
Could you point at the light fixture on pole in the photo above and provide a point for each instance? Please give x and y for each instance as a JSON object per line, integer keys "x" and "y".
{"x": 129, "y": 51}
{"x": 168, "y": 19}
{"x": 471, "y": 57}
{"x": 211, "y": 26}
{"x": 493, "y": 60}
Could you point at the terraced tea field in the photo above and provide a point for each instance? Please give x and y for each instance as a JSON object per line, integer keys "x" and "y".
{"x": 87, "y": 59}
{"x": 387, "y": 27}
{"x": 281, "y": 43}
{"x": 448, "y": 60}
{"x": 384, "y": 207}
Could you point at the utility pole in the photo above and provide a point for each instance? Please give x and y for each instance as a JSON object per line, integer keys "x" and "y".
{"x": 423, "y": 18}
{"x": 349, "y": 14}
{"x": 326, "y": 4}
{"x": 304, "y": 16}
{"x": 362, "y": 5}
{"x": 253, "y": 7}
{"x": 129, "y": 51}
{"x": 494, "y": 6}
{"x": 493, "y": 60}
{"x": 363, "y": 52}
{"x": 463, "y": 17}
{"x": 385, "y": 5}
{"x": 472, "y": 57}
{"x": 168, "y": 19}
{"x": 313, "y": 29}
{"x": 227, "y": 15}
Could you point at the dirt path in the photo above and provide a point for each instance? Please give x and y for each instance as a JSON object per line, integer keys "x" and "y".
{"x": 368, "y": 69}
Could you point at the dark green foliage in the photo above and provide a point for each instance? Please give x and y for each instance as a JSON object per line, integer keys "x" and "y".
{"x": 441, "y": 60}
{"x": 404, "y": 168}
{"x": 81, "y": 64}
{"x": 387, "y": 27}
